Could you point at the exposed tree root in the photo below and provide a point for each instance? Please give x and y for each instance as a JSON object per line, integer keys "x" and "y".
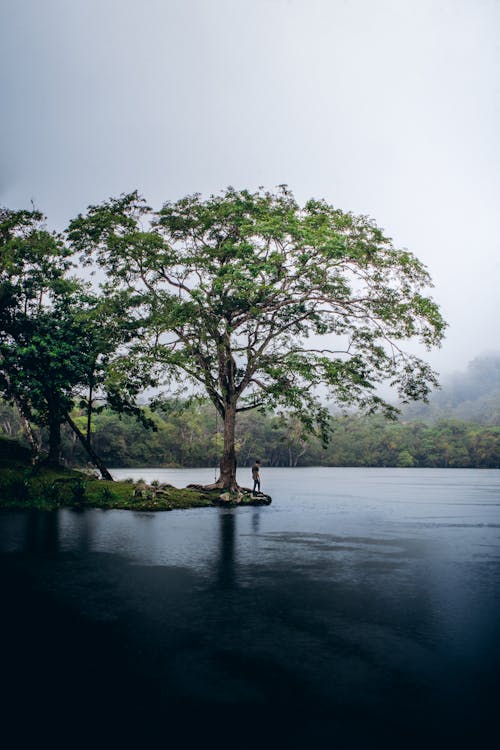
{"x": 230, "y": 498}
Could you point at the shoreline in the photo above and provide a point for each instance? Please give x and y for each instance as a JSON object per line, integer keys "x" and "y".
{"x": 41, "y": 487}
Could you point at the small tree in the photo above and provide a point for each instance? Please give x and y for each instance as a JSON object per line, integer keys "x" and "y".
{"x": 259, "y": 301}
{"x": 56, "y": 338}
{"x": 33, "y": 263}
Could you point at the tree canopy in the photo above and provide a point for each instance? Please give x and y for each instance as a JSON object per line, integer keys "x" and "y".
{"x": 259, "y": 301}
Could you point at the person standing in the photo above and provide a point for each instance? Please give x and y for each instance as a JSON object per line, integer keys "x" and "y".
{"x": 256, "y": 476}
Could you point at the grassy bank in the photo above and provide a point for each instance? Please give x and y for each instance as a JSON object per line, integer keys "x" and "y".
{"x": 46, "y": 488}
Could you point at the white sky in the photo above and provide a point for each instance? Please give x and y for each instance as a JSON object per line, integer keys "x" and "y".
{"x": 384, "y": 107}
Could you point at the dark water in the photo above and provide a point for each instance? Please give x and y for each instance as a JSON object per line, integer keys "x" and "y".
{"x": 360, "y": 609}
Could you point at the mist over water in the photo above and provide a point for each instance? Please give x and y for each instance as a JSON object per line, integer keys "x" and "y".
{"x": 361, "y": 606}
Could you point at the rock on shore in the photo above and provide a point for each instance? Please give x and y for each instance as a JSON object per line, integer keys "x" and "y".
{"x": 243, "y": 496}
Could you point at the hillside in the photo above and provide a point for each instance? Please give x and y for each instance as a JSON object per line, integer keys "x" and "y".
{"x": 472, "y": 395}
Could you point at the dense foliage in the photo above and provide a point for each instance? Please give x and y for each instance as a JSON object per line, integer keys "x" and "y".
{"x": 192, "y": 437}
{"x": 57, "y": 338}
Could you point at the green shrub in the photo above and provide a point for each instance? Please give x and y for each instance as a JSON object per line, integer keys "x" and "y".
{"x": 78, "y": 490}
{"x": 106, "y": 495}
{"x": 50, "y": 491}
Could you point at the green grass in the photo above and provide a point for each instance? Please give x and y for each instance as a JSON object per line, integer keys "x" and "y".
{"x": 47, "y": 488}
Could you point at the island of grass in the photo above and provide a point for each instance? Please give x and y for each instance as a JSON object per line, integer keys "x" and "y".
{"x": 47, "y": 488}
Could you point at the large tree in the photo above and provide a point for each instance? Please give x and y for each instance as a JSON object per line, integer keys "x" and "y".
{"x": 260, "y": 301}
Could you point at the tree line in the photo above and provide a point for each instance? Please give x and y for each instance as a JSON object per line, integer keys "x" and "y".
{"x": 190, "y": 435}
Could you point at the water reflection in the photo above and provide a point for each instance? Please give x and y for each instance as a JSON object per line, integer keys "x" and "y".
{"x": 83, "y": 525}
{"x": 42, "y": 533}
{"x": 339, "y": 613}
{"x": 256, "y": 514}
{"x": 226, "y": 562}
{"x": 228, "y": 552}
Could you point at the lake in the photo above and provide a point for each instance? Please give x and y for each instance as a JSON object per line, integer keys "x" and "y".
{"x": 361, "y": 608}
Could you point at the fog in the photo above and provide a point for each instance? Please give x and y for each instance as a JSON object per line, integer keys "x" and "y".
{"x": 390, "y": 109}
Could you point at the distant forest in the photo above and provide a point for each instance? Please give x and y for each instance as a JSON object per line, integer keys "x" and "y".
{"x": 472, "y": 395}
{"x": 460, "y": 427}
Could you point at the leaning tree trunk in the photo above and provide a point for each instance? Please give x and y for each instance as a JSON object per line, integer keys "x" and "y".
{"x": 86, "y": 444}
{"x": 33, "y": 439}
{"x": 25, "y": 414}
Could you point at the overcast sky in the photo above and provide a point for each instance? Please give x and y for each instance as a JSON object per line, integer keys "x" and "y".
{"x": 389, "y": 108}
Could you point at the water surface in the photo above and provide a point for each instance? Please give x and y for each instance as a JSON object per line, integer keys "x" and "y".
{"x": 361, "y": 607}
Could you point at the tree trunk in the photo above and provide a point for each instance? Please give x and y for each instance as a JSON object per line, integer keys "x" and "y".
{"x": 32, "y": 438}
{"x": 93, "y": 455}
{"x": 227, "y": 465}
{"x": 89, "y": 415}
{"x": 227, "y": 478}
{"x": 25, "y": 414}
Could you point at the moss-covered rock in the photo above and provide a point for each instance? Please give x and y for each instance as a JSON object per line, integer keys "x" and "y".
{"x": 242, "y": 496}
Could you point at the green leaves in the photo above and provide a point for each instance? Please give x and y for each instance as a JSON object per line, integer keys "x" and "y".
{"x": 33, "y": 261}
{"x": 235, "y": 290}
